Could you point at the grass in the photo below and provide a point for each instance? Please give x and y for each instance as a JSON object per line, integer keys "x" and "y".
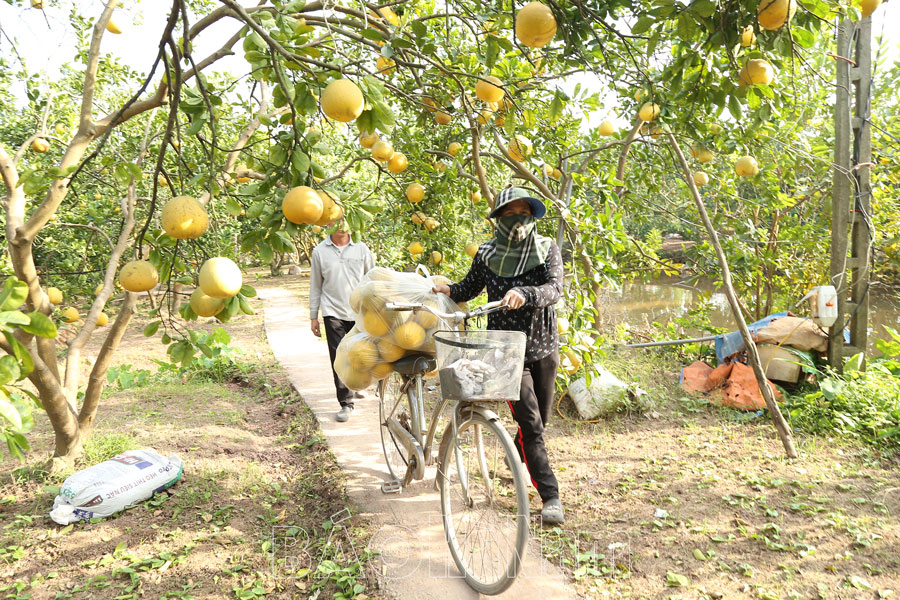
{"x": 104, "y": 446}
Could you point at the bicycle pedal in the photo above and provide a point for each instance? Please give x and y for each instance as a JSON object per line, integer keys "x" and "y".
{"x": 391, "y": 487}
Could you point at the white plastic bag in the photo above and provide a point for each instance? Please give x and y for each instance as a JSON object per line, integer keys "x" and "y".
{"x": 606, "y": 394}
{"x": 382, "y": 336}
{"x": 115, "y": 484}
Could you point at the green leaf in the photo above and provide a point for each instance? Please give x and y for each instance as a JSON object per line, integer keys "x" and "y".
{"x": 248, "y": 291}
{"x": 299, "y": 161}
{"x": 20, "y": 352}
{"x": 734, "y": 107}
{"x": 9, "y": 369}
{"x": 245, "y": 306}
{"x": 13, "y": 294}
{"x": 676, "y": 580}
{"x": 266, "y": 255}
{"x": 13, "y": 317}
{"x": 151, "y": 328}
{"x": 40, "y": 325}
{"x": 10, "y": 414}
{"x": 372, "y": 34}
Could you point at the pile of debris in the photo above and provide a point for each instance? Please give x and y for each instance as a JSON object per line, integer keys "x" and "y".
{"x": 788, "y": 346}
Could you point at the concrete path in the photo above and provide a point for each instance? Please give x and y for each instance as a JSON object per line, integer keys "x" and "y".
{"x": 415, "y": 561}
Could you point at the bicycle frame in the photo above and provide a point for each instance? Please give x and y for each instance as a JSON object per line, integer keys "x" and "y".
{"x": 414, "y": 442}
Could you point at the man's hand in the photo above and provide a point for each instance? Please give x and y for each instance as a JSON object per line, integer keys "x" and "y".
{"x": 314, "y": 327}
{"x": 441, "y": 289}
{"x": 514, "y": 299}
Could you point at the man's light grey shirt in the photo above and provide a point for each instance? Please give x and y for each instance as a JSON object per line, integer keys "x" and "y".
{"x": 334, "y": 272}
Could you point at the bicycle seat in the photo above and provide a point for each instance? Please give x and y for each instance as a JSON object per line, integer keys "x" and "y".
{"x": 415, "y": 364}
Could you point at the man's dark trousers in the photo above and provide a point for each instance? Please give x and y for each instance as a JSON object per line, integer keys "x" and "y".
{"x": 335, "y": 330}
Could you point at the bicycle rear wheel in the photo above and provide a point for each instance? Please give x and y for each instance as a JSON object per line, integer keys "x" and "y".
{"x": 484, "y": 503}
{"x": 393, "y": 404}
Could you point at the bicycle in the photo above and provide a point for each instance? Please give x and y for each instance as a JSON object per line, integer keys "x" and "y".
{"x": 484, "y": 501}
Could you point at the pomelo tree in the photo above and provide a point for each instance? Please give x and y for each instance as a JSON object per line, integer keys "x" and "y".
{"x": 474, "y": 95}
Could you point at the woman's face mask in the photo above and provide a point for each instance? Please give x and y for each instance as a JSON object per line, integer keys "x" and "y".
{"x": 518, "y": 226}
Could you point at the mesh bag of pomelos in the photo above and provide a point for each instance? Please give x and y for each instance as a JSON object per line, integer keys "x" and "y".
{"x": 382, "y": 336}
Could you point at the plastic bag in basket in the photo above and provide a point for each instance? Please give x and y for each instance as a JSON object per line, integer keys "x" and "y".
{"x": 382, "y": 336}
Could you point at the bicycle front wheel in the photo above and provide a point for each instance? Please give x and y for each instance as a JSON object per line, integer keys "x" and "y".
{"x": 484, "y": 503}
{"x": 393, "y": 405}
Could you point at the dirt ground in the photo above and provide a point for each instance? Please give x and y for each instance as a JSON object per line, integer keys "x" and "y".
{"x": 688, "y": 500}
{"x": 260, "y": 499}
{"x": 678, "y": 500}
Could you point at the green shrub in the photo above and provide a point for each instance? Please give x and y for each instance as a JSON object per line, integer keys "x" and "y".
{"x": 863, "y": 406}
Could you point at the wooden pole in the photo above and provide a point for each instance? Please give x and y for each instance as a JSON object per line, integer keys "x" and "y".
{"x": 781, "y": 426}
{"x": 840, "y": 192}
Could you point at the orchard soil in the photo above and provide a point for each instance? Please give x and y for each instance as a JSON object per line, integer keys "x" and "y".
{"x": 676, "y": 499}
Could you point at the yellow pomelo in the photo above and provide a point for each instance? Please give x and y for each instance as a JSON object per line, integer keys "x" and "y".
{"x": 867, "y": 7}
{"x": 206, "y": 306}
{"x": 342, "y": 100}
{"x": 715, "y": 128}
{"x": 112, "y": 27}
{"x": 702, "y": 154}
{"x": 356, "y": 380}
{"x": 472, "y": 249}
{"x": 384, "y": 65}
{"x": 382, "y": 150}
{"x": 389, "y": 351}
{"x": 356, "y": 299}
{"x": 489, "y": 89}
{"x": 562, "y": 325}
{"x": 380, "y": 274}
{"x": 416, "y": 248}
{"x": 746, "y": 166}
{"x": 362, "y": 354}
{"x": 184, "y": 218}
{"x": 70, "y": 315}
{"x": 606, "y": 128}
{"x": 748, "y": 36}
{"x": 772, "y": 14}
{"x": 436, "y": 257}
{"x": 302, "y": 205}
{"x": 410, "y": 335}
{"x": 440, "y": 280}
{"x": 55, "y": 295}
{"x": 648, "y": 112}
{"x": 426, "y": 319}
{"x": 475, "y": 197}
{"x": 757, "y": 71}
{"x": 520, "y": 148}
{"x": 573, "y": 358}
{"x": 454, "y": 148}
{"x": 398, "y": 163}
{"x": 98, "y": 289}
{"x": 331, "y": 210}
{"x": 381, "y": 370}
{"x": 442, "y": 118}
{"x": 485, "y": 117}
{"x": 556, "y": 174}
{"x": 375, "y": 323}
{"x": 418, "y": 217}
{"x": 220, "y": 277}
{"x": 430, "y": 104}
{"x": 102, "y": 319}
{"x": 415, "y": 192}
{"x": 700, "y": 178}
{"x": 40, "y": 145}
{"x": 430, "y": 224}
{"x": 535, "y": 25}
{"x": 138, "y": 276}
{"x": 367, "y": 139}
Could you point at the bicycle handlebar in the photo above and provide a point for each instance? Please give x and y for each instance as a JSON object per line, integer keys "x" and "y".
{"x": 414, "y": 306}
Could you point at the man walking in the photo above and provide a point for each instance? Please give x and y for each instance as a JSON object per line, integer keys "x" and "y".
{"x": 336, "y": 267}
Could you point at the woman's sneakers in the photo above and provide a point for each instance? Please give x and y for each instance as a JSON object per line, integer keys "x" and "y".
{"x": 552, "y": 513}
{"x": 344, "y": 414}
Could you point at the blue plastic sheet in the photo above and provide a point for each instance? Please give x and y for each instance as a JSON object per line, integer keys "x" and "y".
{"x": 728, "y": 344}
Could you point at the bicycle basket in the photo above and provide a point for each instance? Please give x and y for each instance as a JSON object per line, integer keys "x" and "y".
{"x": 479, "y": 366}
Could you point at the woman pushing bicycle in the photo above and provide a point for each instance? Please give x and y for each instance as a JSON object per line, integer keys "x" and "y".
{"x": 525, "y": 270}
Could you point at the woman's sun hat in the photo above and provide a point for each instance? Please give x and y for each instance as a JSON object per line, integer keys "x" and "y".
{"x": 511, "y": 194}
